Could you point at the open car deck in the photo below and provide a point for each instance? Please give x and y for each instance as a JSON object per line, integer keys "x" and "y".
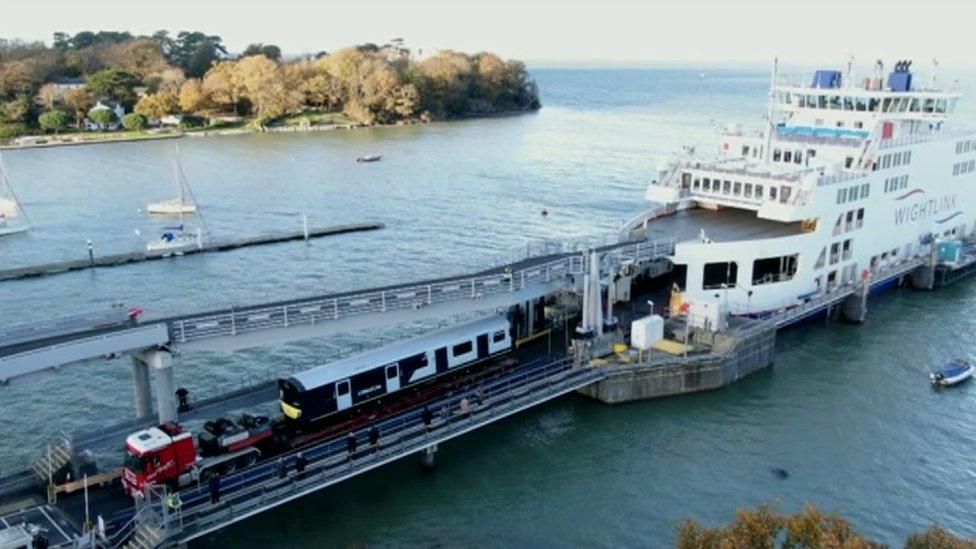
{"x": 723, "y": 225}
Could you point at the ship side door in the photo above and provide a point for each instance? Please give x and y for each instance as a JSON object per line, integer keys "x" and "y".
{"x": 343, "y": 394}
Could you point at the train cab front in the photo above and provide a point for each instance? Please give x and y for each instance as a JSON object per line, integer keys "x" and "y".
{"x": 290, "y": 398}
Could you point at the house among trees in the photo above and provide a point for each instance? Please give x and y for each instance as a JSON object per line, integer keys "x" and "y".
{"x": 64, "y": 85}
{"x": 99, "y": 120}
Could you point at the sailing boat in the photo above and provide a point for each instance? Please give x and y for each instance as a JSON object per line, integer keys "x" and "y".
{"x": 184, "y": 203}
{"x": 176, "y": 240}
{"x": 13, "y": 218}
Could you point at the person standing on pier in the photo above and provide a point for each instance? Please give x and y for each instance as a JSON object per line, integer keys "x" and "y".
{"x": 374, "y": 437}
{"x": 351, "y": 444}
{"x": 428, "y": 417}
{"x": 300, "y": 462}
{"x": 214, "y": 489}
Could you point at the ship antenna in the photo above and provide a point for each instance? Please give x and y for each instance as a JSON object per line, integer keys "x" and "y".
{"x": 935, "y": 68}
{"x": 850, "y": 71}
{"x": 769, "y": 113}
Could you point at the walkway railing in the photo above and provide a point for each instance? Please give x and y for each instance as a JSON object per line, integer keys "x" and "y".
{"x": 269, "y": 485}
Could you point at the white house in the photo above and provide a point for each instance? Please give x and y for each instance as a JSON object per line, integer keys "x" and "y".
{"x": 115, "y": 107}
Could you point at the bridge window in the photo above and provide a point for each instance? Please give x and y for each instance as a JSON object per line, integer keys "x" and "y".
{"x": 848, "y": 103}
{"x": 696, "y": 184}
{"x": 462, "y": 348}
{"x": 787, "y": 156}
{"x": 774, "y": 269}
{"x": 835, "y": 102}
{"x": 342, "y": 388}
{"x": 715, "y": 275}
{"x": 861, "y": 104}
{"x": 798, "y": 157}
{"x": 776, "y": 155}
{"x": 916, "y": 105}
{"x": 498, "y": 336}
{"x": 391, "y": 372}
{"x": 822, "y": 101}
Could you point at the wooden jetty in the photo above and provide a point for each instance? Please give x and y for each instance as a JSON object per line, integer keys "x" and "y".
{"x": 114, "y": 260}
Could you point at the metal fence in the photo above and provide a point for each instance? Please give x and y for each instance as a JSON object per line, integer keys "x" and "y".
{"x": 272, "y": 484}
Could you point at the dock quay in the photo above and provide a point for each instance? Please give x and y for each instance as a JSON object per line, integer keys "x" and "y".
{"x": 126, "y": 258}
{"x": 546, "y": 292}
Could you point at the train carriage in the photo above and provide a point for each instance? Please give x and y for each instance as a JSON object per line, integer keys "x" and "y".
{"x": 313, "y": 394}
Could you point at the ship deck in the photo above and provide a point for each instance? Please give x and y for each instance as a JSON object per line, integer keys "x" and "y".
{"x": 723, "y": 225}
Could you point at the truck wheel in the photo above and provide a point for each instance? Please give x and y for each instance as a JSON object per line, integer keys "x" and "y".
{"x": 246, "y": 461}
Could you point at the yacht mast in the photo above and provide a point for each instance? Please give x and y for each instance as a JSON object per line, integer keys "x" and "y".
{"x": 770, "y": 110}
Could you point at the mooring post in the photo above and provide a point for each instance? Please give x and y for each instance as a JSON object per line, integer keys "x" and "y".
{"x": 305, "y": 226}
{"x": 91, "y": 253}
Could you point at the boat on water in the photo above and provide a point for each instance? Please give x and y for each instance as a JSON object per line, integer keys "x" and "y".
{"x": 13, "y": 218}
{"x": 849, "y": 180}
{"x": 176, "y": 241}
{"x": 370, "y": 158}
{"x": 184, "y": 203}
{"x": 953, "y": 373}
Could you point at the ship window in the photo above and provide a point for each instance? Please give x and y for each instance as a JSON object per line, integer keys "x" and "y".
{"x": 737, "y": 189}
{"x": 929, "y": 105}
{"x": 342, "y": 388}
{"x": 773, "y": 269}
{"x": 916, "y": 105}
{"x": 787, "y": 156}
{"x": 848, "y": 103}
{"x": 865, "y": 190}
{"x": 498, "y": 336}
{"x": 391, "y": 372}
{"x": 940, "y": 106}
{"x": 841, "y": 196}
{"x": 822, "y": 101}
{"x": 908, "y": 157}
{"x": 745, "y": 150}
{"x": 462, "y": 348}
{"x": 772, "y": 193}
{"x": 798, "y": 157}
{"x": 801, "y": 100}
{"x": 811, "y": 101}
{"x": 848, "y": 162}
{"x": 861, "y": 104}
{"x": 896, "y": 160}
{"x": 776, "y": 155}
{"x": 726, "y": 186}
{"x": 706, "y": 183}
{"x": 873, "y": 104}
{"x": 748, "y": 190}
{"x": 835, "y": 102}
{"x": 859, "y": 124}
{"x": 696, "y": 184}
{"x": 834, "y": 253}
{"x": 759, "y": 191}
{"x": 717, "y": 274}
{"x": 886, "y": 104}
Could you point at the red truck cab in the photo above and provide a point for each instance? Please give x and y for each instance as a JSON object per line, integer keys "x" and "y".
{"x": 157, "y": 455}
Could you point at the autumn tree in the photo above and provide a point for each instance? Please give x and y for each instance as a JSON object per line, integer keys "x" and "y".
{"x": 47, "y": 96}
{"x": 937, "y": 537}
{"x": 268, "y": 50}
{"x": 16, "y": 109}
{"x": 141, "y": 57}
{"x": 222, "y": 87}
{"x": 192, "y": 97}
{"x": 103, "y": 117}
{"x": 158, "y": 105}
{"x": 261, "y": 81}
{"x": 79, "y": 100}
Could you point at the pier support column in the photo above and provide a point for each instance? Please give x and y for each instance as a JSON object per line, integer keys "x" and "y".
{"x": 141, "y": 387}
{"x": 854, "y": 308}
{"x": 923, "y": 278}
{"x": 161, "y": 364}
{"x": 427, "y": 460}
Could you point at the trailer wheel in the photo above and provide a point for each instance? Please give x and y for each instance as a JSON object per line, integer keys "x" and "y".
{"x": 229, "y": 467}
{"x": 207, "y": 474}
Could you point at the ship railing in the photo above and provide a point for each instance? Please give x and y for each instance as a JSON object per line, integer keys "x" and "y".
{"x": 841, "y": 177}
{"x": 920, "y": 138}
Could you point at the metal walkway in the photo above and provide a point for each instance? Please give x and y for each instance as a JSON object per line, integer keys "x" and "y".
{"x": 552, "y": 269}
{"x": 264, "y": 487}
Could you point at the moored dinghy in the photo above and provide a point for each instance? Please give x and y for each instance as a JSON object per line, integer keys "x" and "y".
{"x": 953, "y": 373}
{"x": 13, "y": 218}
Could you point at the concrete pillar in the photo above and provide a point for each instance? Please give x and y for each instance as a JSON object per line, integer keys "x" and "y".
{"x": 161, "y": 363}
{"x": 854, "y": 308}
{"x": 923, "y": 278}
{"x": 141, "y": 386}
{"x": 427, "y": 460}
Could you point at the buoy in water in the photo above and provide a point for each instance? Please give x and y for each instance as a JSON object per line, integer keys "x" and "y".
{"x": 780, "y": 473}
{"x": 544, "y": 212}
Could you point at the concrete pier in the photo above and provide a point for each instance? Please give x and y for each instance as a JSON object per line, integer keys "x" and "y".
{"x": 923, "y": 278}
{"x": 732, "y": 356}
{"x": 91, "y": 261}
{"x": 160, "y": 363}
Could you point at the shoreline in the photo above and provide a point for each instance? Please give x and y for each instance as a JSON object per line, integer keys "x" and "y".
{"x": 294, "y": 128}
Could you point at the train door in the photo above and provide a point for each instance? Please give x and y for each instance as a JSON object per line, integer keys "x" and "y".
{"x": 440, "y": 359}
{"x": 392, "y": 378}
{"x": 482, "y": 345}
{"x": 343, "y": 394}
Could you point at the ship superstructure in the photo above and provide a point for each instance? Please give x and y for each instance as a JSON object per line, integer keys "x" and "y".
{"x": 845, "y": 179}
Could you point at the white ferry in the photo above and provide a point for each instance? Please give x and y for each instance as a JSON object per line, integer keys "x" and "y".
{"x": 847, "y": 180}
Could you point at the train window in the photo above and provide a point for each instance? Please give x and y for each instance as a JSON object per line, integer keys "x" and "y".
{"x": 342, "y": 388}
{"x": 498, "y": 336}
{"x": 462, "y": 348}
{"x": 391, "y": 372}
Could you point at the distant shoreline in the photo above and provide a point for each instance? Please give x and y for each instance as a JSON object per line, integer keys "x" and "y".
{"x": 124, "y": 137}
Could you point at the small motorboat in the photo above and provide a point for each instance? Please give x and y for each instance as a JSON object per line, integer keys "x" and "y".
{"x": 370, "y": 158}
{"x": 953, "y": 373}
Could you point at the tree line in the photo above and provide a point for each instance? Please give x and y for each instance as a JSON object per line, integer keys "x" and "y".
{"x": 763, "y": 527}
{"x": 192, "y": 73}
